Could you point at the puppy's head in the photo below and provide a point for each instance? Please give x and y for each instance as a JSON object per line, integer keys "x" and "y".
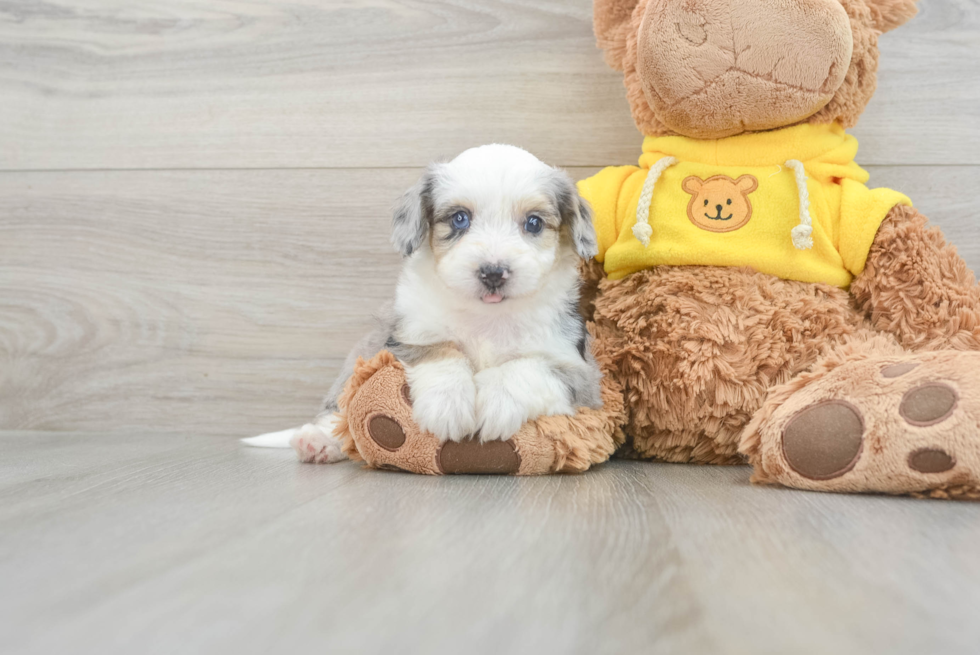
{"x": 497, "y": 222}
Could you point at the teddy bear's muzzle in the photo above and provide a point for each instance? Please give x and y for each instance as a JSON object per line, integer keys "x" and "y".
{"x": 716, "y": 68}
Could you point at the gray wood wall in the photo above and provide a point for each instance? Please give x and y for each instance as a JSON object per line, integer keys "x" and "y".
{"x": 194, "y": 194}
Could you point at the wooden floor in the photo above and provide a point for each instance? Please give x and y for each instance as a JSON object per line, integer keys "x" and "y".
{"x": 194, "y": 205}
{"x": 145, "y": 543}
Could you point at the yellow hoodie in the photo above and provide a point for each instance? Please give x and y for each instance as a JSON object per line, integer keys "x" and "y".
{"x": 791, "y": 203}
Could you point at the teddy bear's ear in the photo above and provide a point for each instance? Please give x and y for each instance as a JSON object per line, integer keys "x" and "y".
{"x": 747, "y": 184}
{"x": 611, "y": 21}
{"x": 889, "y": 14}
{"x": 692, "y": 185}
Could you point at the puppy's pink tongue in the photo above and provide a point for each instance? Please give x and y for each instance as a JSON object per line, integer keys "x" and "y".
{"x": 492, "y": 298}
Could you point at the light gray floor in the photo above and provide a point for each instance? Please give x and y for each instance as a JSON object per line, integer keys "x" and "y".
{"x": 141, "y": 543}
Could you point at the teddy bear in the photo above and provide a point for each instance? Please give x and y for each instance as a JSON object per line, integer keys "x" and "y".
{"x": 752, "y": 299}
{"x": 752, "y": 296}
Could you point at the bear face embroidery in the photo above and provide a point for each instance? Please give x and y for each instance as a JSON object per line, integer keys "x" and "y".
{"x": 720, "y": 204}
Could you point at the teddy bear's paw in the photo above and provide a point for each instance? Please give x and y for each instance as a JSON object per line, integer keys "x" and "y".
{"x": 380, "y": 421}
{"x": 903, "y": 425}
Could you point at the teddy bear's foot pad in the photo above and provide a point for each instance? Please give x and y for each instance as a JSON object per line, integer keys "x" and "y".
{"x": 910, "y": 426}
{"x": 386, "y": 432}
{"x": 472, "y": 456}
{"x": 824, "y": 440}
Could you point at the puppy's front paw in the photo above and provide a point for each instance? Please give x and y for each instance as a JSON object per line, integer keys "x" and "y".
{"x": 516, "y": 392}
{"x": 443, "y": 398}
{"x": 500, "y": 412}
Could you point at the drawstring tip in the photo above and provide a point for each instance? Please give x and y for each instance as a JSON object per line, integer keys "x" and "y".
{"x": 802, "y": 237}
{"x": 802, "y": 233}
{"x": 643, "y": 232}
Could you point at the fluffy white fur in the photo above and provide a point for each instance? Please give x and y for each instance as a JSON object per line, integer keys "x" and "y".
{"x": 503, "y": 380}
{"x": 482, "y": 358}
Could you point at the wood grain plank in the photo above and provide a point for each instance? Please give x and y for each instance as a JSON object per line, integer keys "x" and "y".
{"x": 223, "y": 302}
{"x": 237, "y": 83}
{"x": 163, "y": 543}
{"x": 151, "y": 289}
{"x": 792, "y": 572}
{"x": 305, "y": 558}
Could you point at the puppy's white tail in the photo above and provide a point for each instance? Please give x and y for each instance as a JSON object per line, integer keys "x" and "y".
{"x": 272, "y": 439}
{"x": 313, "y": 442}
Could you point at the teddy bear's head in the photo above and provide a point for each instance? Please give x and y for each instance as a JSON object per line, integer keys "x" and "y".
{"x": 714, "y": 68}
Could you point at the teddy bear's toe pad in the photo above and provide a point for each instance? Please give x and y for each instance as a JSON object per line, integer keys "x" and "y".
{"x": 898, "y": 370}
{"x": 928, "y": 404}
{"x": 824, "y": 440}
{"x": 474, "y": 457}
{"x": 931, "y": 460}
{"x": 386, "y": 432}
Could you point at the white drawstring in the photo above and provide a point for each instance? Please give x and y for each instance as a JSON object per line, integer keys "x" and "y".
{"x": 802, "y": 233}
{"x": 642, "y": 230}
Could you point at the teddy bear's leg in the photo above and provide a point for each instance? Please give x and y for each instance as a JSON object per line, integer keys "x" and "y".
{"x": 895, "y": 410}
{"x": 376, "y": 426}
{"x": 916, "y": 287}
{"x": 873, "y": 417}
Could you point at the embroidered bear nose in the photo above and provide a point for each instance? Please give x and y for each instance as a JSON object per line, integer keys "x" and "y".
{"x": 718, "y": 207}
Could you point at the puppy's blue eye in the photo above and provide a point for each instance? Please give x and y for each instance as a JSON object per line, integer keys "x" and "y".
{"x": 533, "y": 225}
{"x": 461, "y": 220}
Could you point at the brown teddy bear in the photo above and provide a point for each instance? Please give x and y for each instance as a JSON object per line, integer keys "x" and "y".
{"x": 816, "y": 329}
{"x": 752, "y": 297}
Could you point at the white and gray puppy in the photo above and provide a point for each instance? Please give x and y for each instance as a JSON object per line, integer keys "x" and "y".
{"x": 486, "y": 313}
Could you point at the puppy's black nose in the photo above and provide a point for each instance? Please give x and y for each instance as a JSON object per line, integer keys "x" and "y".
{"x": 493, "y": 275}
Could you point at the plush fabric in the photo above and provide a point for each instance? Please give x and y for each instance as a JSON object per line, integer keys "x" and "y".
{"x": 697, "y": 349}
{"x": 721, "y": 67}
{"x": 845, "y": 213}
{"x": 375, "y": 426}
{"x": 916, "y": 287}
{"x": 846, "y": 105}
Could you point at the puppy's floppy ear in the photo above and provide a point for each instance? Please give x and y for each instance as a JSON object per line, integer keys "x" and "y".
{"x": 889, "y": 14}
{"x": 413, "y": 215}
{"x": 611, "y": 21}
{"x": 576, "y": 215}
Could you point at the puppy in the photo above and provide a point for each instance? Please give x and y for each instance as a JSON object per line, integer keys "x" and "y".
{"x": 486, "y": 313}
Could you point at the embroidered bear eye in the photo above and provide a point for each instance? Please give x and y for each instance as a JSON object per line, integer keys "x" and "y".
{"x": 729, "y": 201}
{"x": 705, "y": 202}
{"x": 461, "y": 220}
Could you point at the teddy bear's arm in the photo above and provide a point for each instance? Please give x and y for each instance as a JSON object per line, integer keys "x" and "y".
{"x": 917, "y": 287}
